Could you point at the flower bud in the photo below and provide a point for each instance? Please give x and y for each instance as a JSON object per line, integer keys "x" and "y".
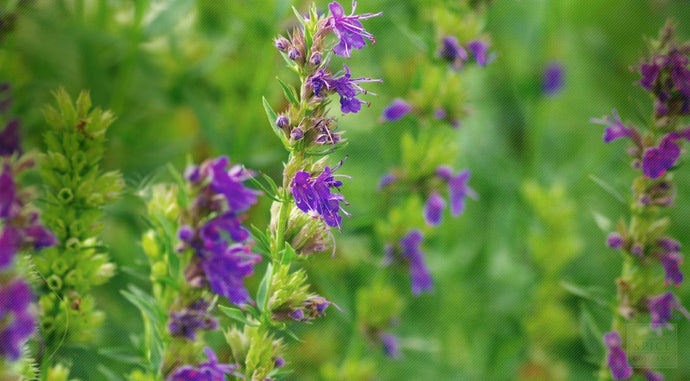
{"x": 315, "y": 59}
{"x": 281, "y": 43}
{"x": 282, "y": 121}
{"x": 614, "y": 241}
{"x": 294, "y": 54}
{"x": 296, "y": 134}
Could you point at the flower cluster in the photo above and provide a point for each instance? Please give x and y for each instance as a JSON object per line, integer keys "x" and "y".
{"x": 655, "y": 152}
{"x": 20, "y": 229}
{"x": 314, "y": 195}
{"x": 208, "y": 371}
{"x": 452, "y": 52}
{"x": 220, "y": 198}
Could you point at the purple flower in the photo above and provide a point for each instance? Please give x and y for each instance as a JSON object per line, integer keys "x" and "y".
{"x": 419, "y": 273}
{"x": 282, "y": 121}
{"x": 227, "y": 222}
{"x": 229, "y": 183}
{"x": 671, "y": 262}
{"x": 8, "y": 193}
{"x": 444, "y": 172}
{"x": 650, "y": 71}
{"x": 479, "y": 50}
{"x": 452, "y": 52}
{"x": 680, "y": 73}
{"x": 657, "y": 160}
{"x": 348, "y": 29}
{"x": 17, "y": 323}
{"x": 653, "y": 376}
{"x": 552, "y": 80}
{"x": 196, "y": 316}
{"x": 390, "y": 345}
{"x": 669, "y": 244}
{"x": 614, "y": 241}
{"x": 10, "y": 243}
{"x": 661, "y": 310}
{"x": 38, "y": 236}
{"x": 440, "y": 113}
{"x": 313, "y": 195}
{"x": 459, "y": 190}
{"x": 9, "y": 139}
{"x": 279, "y": 362}
{"x": 614, "y": 127}
{"x": 386, "y": 180}
{"x": 226, "y": 267}
{"x": 208, "y": 371}
{"x": 617, "y": 359}
{"x": 348, "y": 89}
{"x": 433, "y": 209}
{"x": 397, "y": 109}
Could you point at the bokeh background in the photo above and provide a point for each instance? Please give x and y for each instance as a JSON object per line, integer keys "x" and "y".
{"x": 185, "y": 79}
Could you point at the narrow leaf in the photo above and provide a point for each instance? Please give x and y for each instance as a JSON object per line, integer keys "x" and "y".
{"x": 289, "y": 91}
{"x": 272, "y": 120}
{"x": 608, "y": 188}
{"x": 236, "y": 314}
{"x": 262, "y": 292}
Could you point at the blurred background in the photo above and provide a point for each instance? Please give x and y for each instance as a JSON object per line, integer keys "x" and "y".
{"x": 185, "y": 79}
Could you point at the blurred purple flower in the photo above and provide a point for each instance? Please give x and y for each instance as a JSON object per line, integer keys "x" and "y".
{"x": 8, "y": 193}
{"x": 419, "y": 273}
{"x": 614, "y": 241}
{"x": 433, "y": 209}
{"x": 17, "y": 323}
{"x": 348, "y": 29}
{"x": 459, "y": 190}
{"x": 208, "y": 371}
{"x": 653, "y": 376}
{"x": 616, "y": 358}
{"x": 194, "y": 317}
{"x": 671, "y": 262}
{"x": 680, "y": 73}
{"x": 390, "y": 346}
{"x": 669, "y": 244}
{"x": 657, "y": 161}
{"x": 386, "y": 180}
{"x": 661, "y": 310}
{"x": 229, "y": 183}
{"x": 226, "y": 267}
{"x": 479, "y": 50}
{"x": 552, "y": 80}
{"x": 452, "y": 52}
{"x": 9, "y": 139}
{"x": 615, "y": 129}
{"x": 396, "y": 110}
{"x": 650, "y": 71}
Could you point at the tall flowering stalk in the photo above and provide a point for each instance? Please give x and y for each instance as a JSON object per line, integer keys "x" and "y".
{"x": 648, "y": 251}
{"x": 20, "y": 230}
{"x": 76, "y": 192}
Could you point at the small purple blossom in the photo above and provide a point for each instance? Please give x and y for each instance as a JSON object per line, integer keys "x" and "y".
{"x": 208, "y": 371}
{"x": 348, "y": 29}
{"x": 282, "y": 121}
{"x": 444, "y": 172}
{"x": 226, "y": 269}
{"x": 390, "y": 346}
{"x": 386, "y": 180}
{"x": 296, "y": 134}
{"x": 279, "y": 362}
{"x": 281, "y": 43}
{"x": 452, "y": 52}
{"x": 671, "y": 262}
{"x": 348, "y": 89}
{"x": 313, "y": 195}
{"x": 17, "y": 323}
{"x": 433, "y": 209}
{"x": 194, "y": 317}
{"x": 669, "y": 244}
{"x": 315, "y": 59}
{"x": 657, "y": 161}
{"x": 653, "y": 376}
{"x": 552, "y": 79}
{"x": 616, "y": 358}
{"x": 440, "y": 113}
{"x": 419, "y": 273}
{"x": 650, "y": 71}
{"x": 614, "y": 241}
{"x": 396, "y": 110}
{"x": 9, "y": 139}
{"x": 615, "y": 129}
{"x": 229, "y": 183}
{"x": 459, "y": 190}
{"x": 479, "y": 50}
{"x": 680, "y": 73}
{"x": 8, "y": 194}
{"x": 661, "y": 309}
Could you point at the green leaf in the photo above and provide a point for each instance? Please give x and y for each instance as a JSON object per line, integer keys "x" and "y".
{"x": 145, "y": 303}
{"x": 262, "y": 292}
{"x": 320, "y": 151}
{"x": 236, "y": 314}
{"x": 109, "y": 374}
{"x": 262, "y": 242}
{"x": 272, "y": 120}
{"x": 289, "y": 91}
{"x": 287, "y": 255}
{"x": 602, "y": 221}
{"x": 608, "y": 188}
{"x": 592, "y": 337}
{"x": 293, "y": 335}
{"x": 121, "y": 354}
{"x": 593, "y": 294}
{"x": 298, "y": 15}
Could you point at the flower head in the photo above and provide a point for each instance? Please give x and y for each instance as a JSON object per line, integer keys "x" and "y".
{"x": 225, "y": 269}
{"x": 348, "y": 29}
{"x": 314, "y": 195}
{"x": 661, "y": 309}
{"x": 671, "y": 262}
{"x": 396, "y": 110}
{"x": 194, "y": 317}
{"x": 229, "y": 183}
{"x": 17, "y": 323}
{"x": 433, "y": 209}
{"x": 390, "y": 345}
{"x": 452, "y": 52}
{"x": 208, "y": 371}
{"x": 657, "y": 161}
{"x": 552, "y": 79}
{"x": 650, "y": 71}
{"x": 9, "y": 139}
{"x": 419, "y": 273}
{"x": 615, "y": 241}
{"x": 615, "y": 129}
{"x": 479, "y": 50}
{"x": 616, "y": 358}
{"x": 680, "y": 73}
{"x": 459, "y": 190}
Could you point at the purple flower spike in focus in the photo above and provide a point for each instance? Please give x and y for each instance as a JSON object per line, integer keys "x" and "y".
{"x": 552, "y": 80}
{"x": 479, "y": 50}
{"x": 419, "y": 273}
{"x": 397, "y": 109}
{"x": 459, "y": 190}
{"x": 208, "y": 371}
{"x": 433, "y": 209}
{"x": 348, "y": 29}
{"x": 657, "y": 161}
{"x": 661, "y": 309}
{"x": 313, "y": 195}
{"x": 671, "y": 262}
{"x": 452, "y": 52}
{"x": 614, "y": 127}
{"x": 616, "y": 358}
{"x": 390, "y": 346}
{"x": 17, "y": 323}
{"x": 9, "y": 139}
